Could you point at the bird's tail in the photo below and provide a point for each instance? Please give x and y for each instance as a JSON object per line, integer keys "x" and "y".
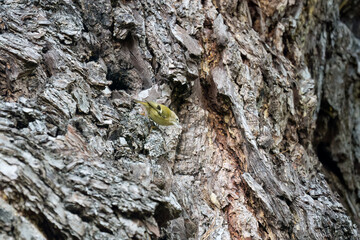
{"x": 141, "y": 102}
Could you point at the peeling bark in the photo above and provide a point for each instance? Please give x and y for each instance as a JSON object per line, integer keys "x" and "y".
{"x": 268, "y": 97}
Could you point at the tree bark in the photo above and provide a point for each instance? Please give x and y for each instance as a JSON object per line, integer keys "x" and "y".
{"x": 268, "y": 96}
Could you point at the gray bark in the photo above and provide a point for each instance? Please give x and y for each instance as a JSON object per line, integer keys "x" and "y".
{"x": 268, "y": 95}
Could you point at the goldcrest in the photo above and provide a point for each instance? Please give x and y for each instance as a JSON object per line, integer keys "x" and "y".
{"x": 159, "y": 113}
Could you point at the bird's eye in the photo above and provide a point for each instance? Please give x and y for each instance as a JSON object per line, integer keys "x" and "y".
{"x": 158, "y": 107}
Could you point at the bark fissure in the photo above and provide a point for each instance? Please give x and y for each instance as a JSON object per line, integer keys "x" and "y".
{"x": 267, "y": 93}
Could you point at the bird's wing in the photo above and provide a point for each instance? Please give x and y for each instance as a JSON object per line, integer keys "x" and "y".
{"x": 157, "y": 108}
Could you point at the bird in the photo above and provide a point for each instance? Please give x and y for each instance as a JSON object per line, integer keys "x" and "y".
{"x": 159, "y": 113}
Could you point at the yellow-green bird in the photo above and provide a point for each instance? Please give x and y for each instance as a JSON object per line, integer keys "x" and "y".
{"x": 159, "y": 113}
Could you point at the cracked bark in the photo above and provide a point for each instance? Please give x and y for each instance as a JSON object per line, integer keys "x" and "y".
{"x": 267, "y": 93}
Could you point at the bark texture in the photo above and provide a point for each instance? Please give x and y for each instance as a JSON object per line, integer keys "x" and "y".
{"x": 268, "y": 95}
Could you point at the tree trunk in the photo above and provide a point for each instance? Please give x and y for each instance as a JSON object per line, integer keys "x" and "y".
{"x": 268, "y": 96}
